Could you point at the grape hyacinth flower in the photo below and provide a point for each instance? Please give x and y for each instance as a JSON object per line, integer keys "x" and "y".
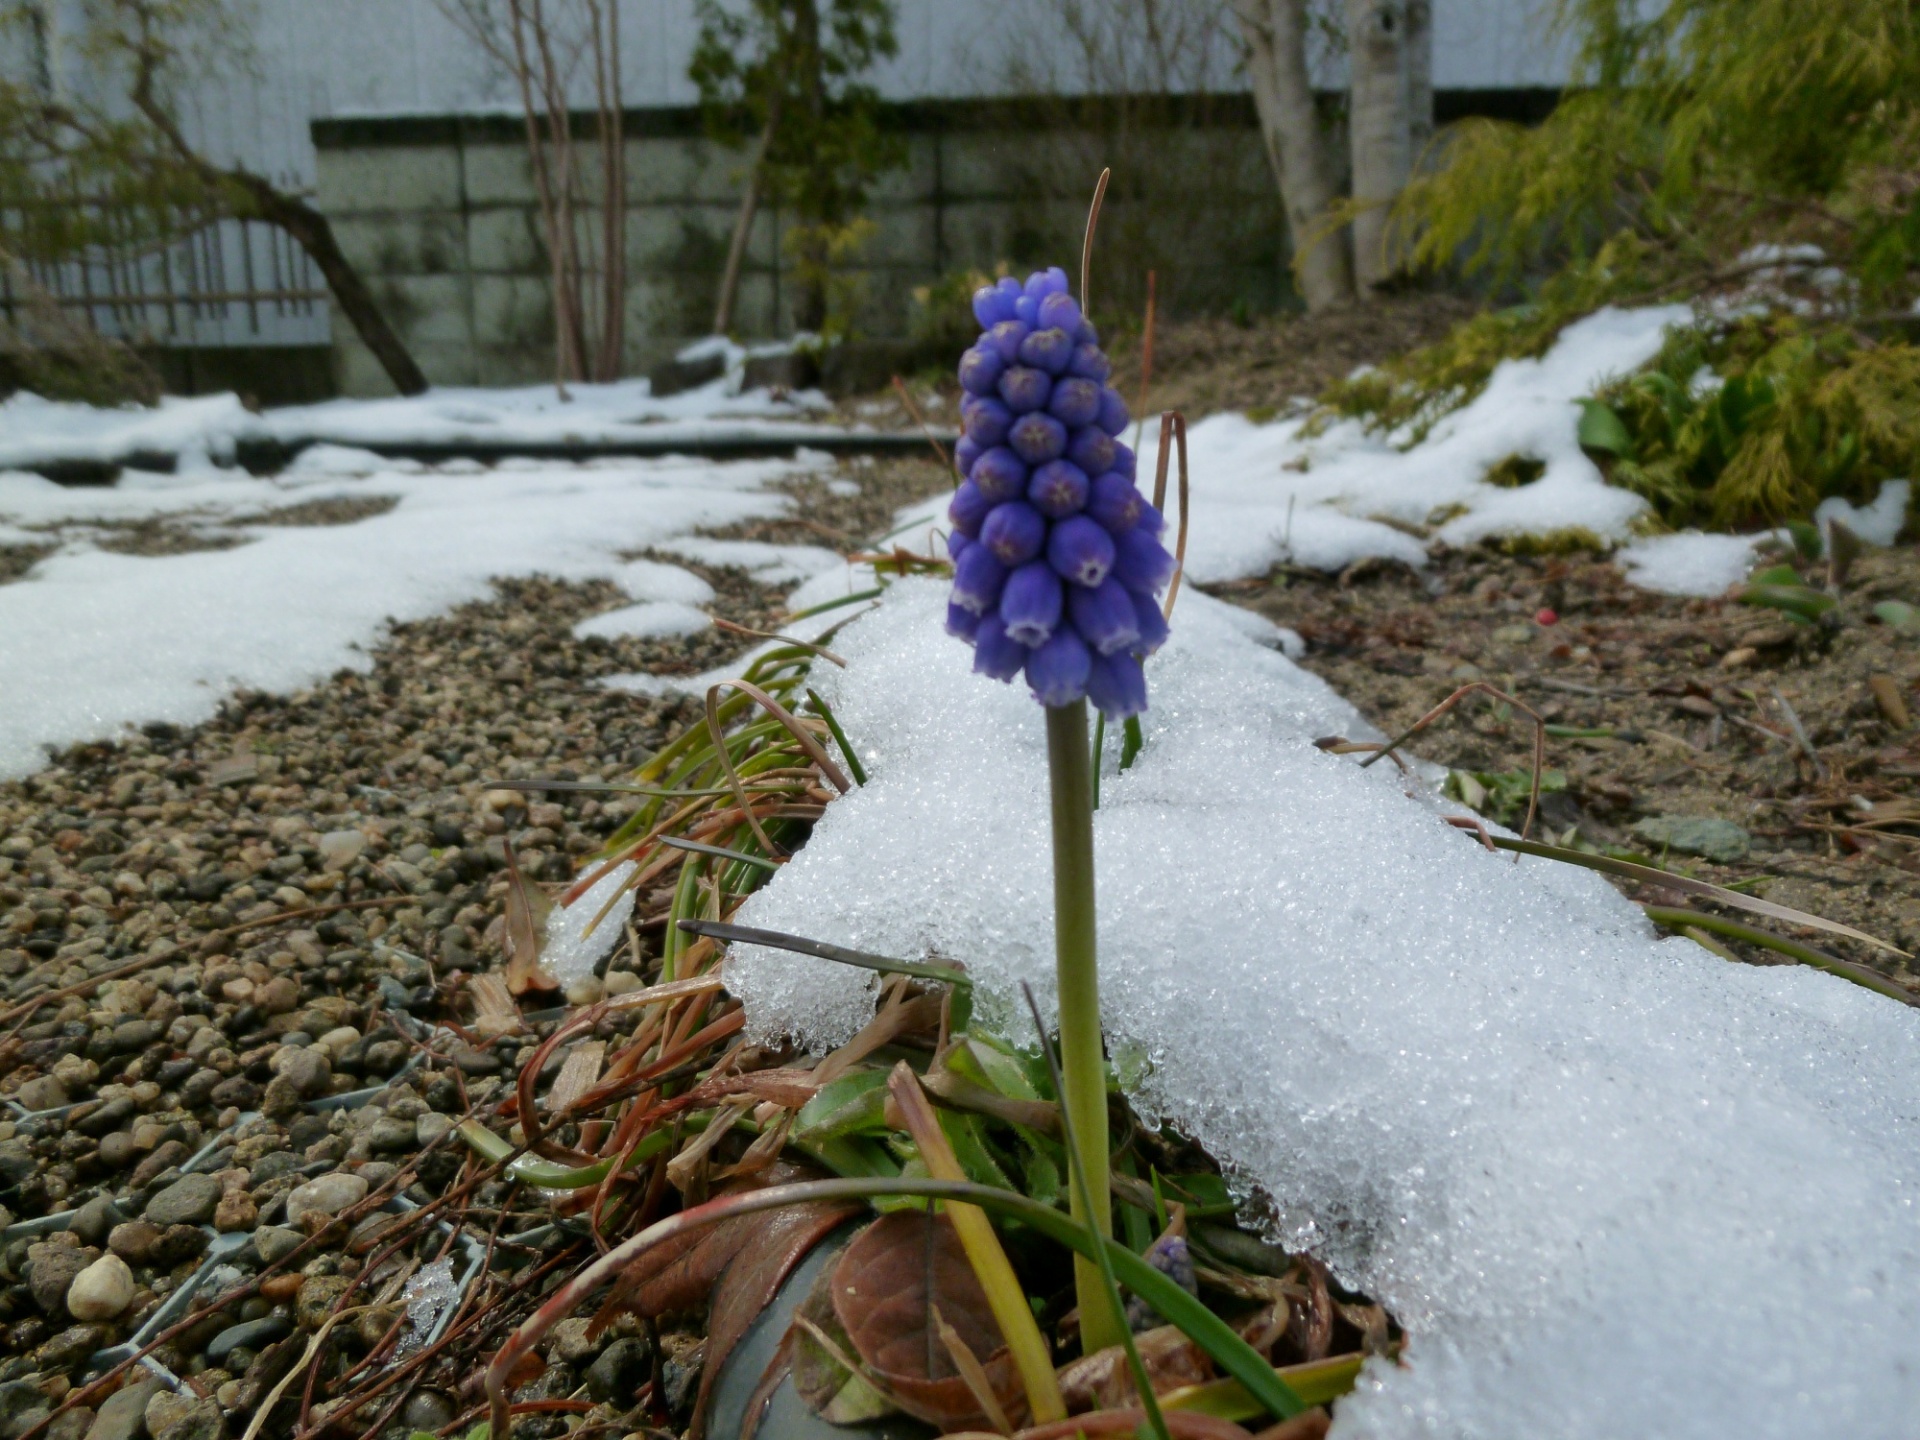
{"x": 1058, "y": 567}
{"x": 1049, "y": 495}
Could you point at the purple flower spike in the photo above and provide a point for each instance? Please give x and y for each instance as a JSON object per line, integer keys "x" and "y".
{"x": 995, "y": 653}
{"x": 1089, "y": 362}
{"x": 961, "y": 622}
{"x": 1014, "y": 532}
{"x": 1005, "y": 339}
{"x": 968, "y": 508}
{"x": 980, "y": 370}
{"x": 991, "y": 305}
{"x": 1000, "y": 474}
{"x": 1092, "y": 449}
{"x": 1025, "y": 388}
{"x": 1117, "y": 686}
{"x": 1140, "y": 562}
{"x": 1080, "y": 551}
{"x": 1031, "y": 602}
{"x": 1054, "y": 572}
{"x": 1075, "y": 402}
{"x": 977, "y": 578}
{"x": 1058, "y": 489}
{"x": 1047, "y": 350}
{"x": 1057, "y": 671}
{"x": 1114, "y": 502}
{"x": 1037, "y": 438}
{"x": 1059, "y": 312}
{"x": 986, "y": 421}
{"x": 1153, "y": 624}
{"x": 1103, "y": 616}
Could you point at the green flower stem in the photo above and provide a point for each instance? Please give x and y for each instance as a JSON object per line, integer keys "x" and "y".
{"x": 1082, "y": 1061}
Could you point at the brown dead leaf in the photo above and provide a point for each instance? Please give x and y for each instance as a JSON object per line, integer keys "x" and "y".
{"x": 1104, "y": 1380}
{"x": 578, "y": 1074}
{"x": 527, "y": 911}
{"x": 886, "y": 1285}
{"x": 494, "y": 1013}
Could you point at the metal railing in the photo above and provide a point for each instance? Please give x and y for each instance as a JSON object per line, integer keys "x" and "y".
{"x": 211, "y": 283}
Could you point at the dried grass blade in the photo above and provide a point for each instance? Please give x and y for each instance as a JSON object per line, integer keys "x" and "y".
{"x": 527, "y": 911}
{"x": 1861, "y": 975}
{"x": 1186, "y": 511}
{"x": 973, "y": 1372}
{"x": 494, "y": 1011}
{"x": 1086, "y": 242}
{"x": 579, "y": 1073}
{"x": 799, "y": 945}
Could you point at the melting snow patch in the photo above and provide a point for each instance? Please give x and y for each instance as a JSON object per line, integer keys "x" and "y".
{"x": 768, "y": 564}
{"x": 574, "y": 944}
{"x": 429, "y": 1291}
{"x": 653, "y": 620}
{"x": 1603, "y": 1177}
{"x": 1689, "y": 563}
{"x": 1878, "y": 523}
{"x": 650, "y": 580}
{"x": 92, "y": 640}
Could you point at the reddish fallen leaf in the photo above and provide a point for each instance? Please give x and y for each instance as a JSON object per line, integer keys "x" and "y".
{"x": 1104, "y": 1380}
{"x": 885, "y": 1286}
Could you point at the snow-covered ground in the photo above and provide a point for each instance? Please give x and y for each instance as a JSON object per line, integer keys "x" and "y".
{"x": 1613, "y": 1184}
{"x": 92, "y": 640}
{"x": 208, "y": 428}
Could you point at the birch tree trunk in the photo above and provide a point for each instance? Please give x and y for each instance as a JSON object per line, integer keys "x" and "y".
{"x": 1275, "y": 34}
{"x": 1380, "y": 119}
{"x": 1420, "y": 77}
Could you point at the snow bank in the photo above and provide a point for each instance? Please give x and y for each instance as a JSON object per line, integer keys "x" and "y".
{"x": 34, "y": 431}
{"x": 1269, "y": 493}
{"x": 1614, "y": 1185}
{"x": 91, "y": 640}
{"x": 1689, "y": 563}
{"x": 649, "y": 620}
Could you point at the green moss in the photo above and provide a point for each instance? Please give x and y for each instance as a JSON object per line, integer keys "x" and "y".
{"x": 1514, "y": 471}
{"x": 1569, "y": 540}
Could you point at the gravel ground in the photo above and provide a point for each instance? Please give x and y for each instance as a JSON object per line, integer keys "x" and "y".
{"x": 300, "y": 883}
{"x": 1690, "y": 690}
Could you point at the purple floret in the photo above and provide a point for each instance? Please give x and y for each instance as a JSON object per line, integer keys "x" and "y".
{"x": 1028, "y": 309}
{"x": 961, "y": 622}
{"x": 1151, "y": 521}
{"x": 1092, "y": 449}
{"x": 1074, "y": 402}
{"x": 1000, "y": 474}
{"x": 1030, "y": 603}
{"x": 1140, "y": 562}
{"x": 986, "y": 421}
{"x": 1080, "y": 551}
{"x": 1124, "y": 460}
{"x": 1037, "y": 438}
{"x": 991, "y": 305}
{"x": 965, "y": 451}
{"x": 1084, "y": 333}
{"x": 1057, "y": 671}
{"x": 1113, "y": 411}
{"x": 1089, "y": 362}
{"x": 1060, "y": 312}
{"x": 1058, "y": 489}
{"x": 1152, "y": 623}
{"x": 957, "y": 543}
{"x": 980, "y": 369}
{"x": 977, "y": 578}
{"x": 1113, "y": 501}
{"x": 1050, "y": 281}
{"x": 1005, "y": 339}
{"x": 1117, "y": 686}
{"x": 1025, "y": 388}
{"x": 1103, "y": 616}
{"x": 1047, "y": 350}
{"x": 1014, "y": 532}
{"x": 995, "y": 653}
{"x": 968, "y": 508}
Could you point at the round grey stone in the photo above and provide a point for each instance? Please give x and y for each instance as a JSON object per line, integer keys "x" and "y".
{"x": 190, "y": 1200}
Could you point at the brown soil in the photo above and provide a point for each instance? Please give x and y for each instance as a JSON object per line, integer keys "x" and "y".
{"x": 1691, "y": 692}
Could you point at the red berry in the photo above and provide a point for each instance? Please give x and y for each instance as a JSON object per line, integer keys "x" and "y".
{"x": 1545, "y": 617}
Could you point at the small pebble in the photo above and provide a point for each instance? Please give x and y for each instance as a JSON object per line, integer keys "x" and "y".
{"x": 325, "y": 1195}
{"x": 102, "y": 1290}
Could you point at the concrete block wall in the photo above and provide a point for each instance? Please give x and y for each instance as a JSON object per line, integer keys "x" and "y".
{"x": 440, "y": 216}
